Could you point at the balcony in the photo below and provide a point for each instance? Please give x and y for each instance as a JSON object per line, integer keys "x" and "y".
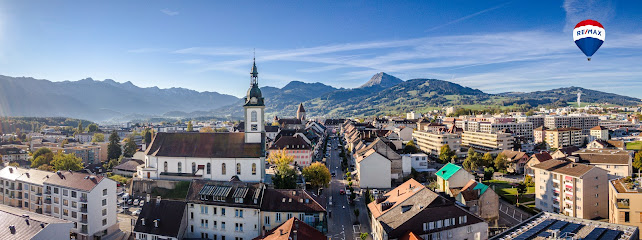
{"x": 83, "y": 199}
{"x": 622, "y": 204}
{"x": 39, "y": 194}
{"x": 19, "y": 196}
{"x": 47, "y": 191}
{"x": 83, "y": 210}
{"x": 47, "y": 200}
{"x": 84, "y": 220}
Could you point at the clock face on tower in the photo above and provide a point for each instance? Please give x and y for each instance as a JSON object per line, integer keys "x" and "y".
{"x": 253, "y": 100}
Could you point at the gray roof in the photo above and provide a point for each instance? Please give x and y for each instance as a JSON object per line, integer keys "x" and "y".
{"x": 13, "y": 216}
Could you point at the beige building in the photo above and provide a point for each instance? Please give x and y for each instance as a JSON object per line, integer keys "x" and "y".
{"x": 431, "y": 142}
{"x": 625, "y": 202}
{"x": 452, "y": 176}
{"x": 564, "y": 137}
{"x": 600, "y": 132}
{"x": 487, "y": 142}
{"x": 572, "y": 189}
{"x": 480, "y": 199}
{"x": 618, "y": 163}
{"x": 583, "y": 122}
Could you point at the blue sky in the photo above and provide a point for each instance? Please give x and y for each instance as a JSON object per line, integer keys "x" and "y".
{"x": 496, "y": 46}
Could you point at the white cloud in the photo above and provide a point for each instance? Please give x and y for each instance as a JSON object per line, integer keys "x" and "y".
{"x": 169, "y": 12}
{"x": 579, "y": 10}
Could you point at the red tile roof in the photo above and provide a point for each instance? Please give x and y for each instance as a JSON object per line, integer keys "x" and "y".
{"x": 291, "y": 229}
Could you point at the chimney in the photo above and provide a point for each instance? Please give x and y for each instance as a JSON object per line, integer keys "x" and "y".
{"x": 280, "y": 231}
{"x": 296, "y": 230}
{"x": 156, "y": 223}
{"x": 158, "y": 200}
{"x": 10, "y": 171}
{"x": 142, "y": 221}
{"x": 12, "y": 228}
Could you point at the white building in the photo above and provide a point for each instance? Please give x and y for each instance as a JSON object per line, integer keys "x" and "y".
{"x": 431, "y": 142}
{"x": 417, "y": 161}
{"x": 215, "y": 156}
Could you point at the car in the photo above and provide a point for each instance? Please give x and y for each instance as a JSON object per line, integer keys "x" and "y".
{"x": 136, "y": 201}
{"x": 334, "y": 174}
{"x": 141, "y": 203}
{"x": 135, "y": 213}
{"x": 347, "y": 192}
{"x": 130, "y": 201}
{"x": 342, "y": 192}
{"x": 121, "y": 210}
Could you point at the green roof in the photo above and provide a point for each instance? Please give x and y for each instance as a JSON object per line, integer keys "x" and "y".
{"x": 447, "y": 171}
{"x": 482, "y": 187}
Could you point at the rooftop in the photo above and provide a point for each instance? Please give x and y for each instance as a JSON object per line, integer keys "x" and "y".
{"x": 168, "y": 214}
{"x": 291, "y": 200}
{"x": 206, "y": 145}
{"x": 565, "y": 167}
{"x": 232, "y": 193}
{"x": 545, "y": 225}
{"x": 448, "y": 171}
{"x": 293, "y": 228}
{"x": 26, "y": 224}
{"x": 604, "y": 156}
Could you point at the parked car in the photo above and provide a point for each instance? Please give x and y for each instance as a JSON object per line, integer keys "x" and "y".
{"x": 141, "y": 203}
{"x": 135, "y": 213}
{"x": 342, "y": 192}
{"x": 130, "y": 201}
{"x": 136, "y": 201}
{"x": 334, "y": 174}
{"x": 347, "y": 192}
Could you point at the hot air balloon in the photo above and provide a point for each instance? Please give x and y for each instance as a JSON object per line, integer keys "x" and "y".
{"x": 589, "y": 36}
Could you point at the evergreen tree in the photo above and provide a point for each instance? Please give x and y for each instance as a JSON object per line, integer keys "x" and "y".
{"x": 113, "y": 148}
{"x": 80, "y": 129}
{"x": 130, "y": 148}
{"x": 148, "y": 136}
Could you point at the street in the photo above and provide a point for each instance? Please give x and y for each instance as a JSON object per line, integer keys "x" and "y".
{"x": 340, "y": 224}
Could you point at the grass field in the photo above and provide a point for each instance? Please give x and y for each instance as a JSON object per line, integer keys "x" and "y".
{"x": 634, "y": 146}
{"x": 509, "y": 192}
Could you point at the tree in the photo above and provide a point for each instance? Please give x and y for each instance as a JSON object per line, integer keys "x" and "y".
{"x": 46, "y": 167}
{"x": 410, "y": 148}
{"x": 488, "y": 173}
{"x": 130, "y": 148}
{"x": 470, "y": 164}
{"x": 487, "y": 160}
{"x": 206, "y": 130}
{"x": 112, "y": 163}
{"x": 98, "y": 137}
{"x": 528, "y": 181}
{"x": 41, "y": 151}
{"x": 148, "y": 136}
{"x": 80, "y": 128}
{"x": 285, "y": 175}
{"x": 190, "y": 127}
{"x": 445, "y": 155}
{"x": 363, "y": 236}
{"x": 92, "y": 128}
{"x": 113, "y": 148}
{"x": 521, "y": 189}
{"x": 501, "y": 162}
{"x": 637, "y": 162}
{"x": 43, "y": 159}
{"x": 317, "y": 174}
{"x": 64, "y": 142}
{"x": 63, "y": 162}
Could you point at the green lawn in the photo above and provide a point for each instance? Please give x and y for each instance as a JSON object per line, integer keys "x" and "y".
{"x": 506, "y": 190}
{"x": 179, "y": 192}
{"x": 634, "y": 146}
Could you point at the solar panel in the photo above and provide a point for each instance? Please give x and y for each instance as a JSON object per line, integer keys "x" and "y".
{"x": 571, "y": 228}
{"x": 240, "y": 192}
{"x": 558, "y": 225}
{"x": 535, "y": 230}
{"x": 611, "y": 235}
{"x": 595, "y": 234}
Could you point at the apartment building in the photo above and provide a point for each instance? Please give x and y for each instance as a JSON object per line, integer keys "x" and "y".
{"x": 66, "y": 195}
{"x": 600, "y": 132}
{"x": 21, "y": 224}
{"x": 572, "y": 189}
{"x": 618, "y": 163}
{"x": 296, "y": 146}
{"x": 536, "y": 120}
{"x": 431, "y": 142}
{"x": 411, "y": 207}
{"x": 487, "y": 142}
{"x": 539, "y": 134}
{"x": 13, "y": 154}
{"x": 280, "y": 205}
{"x": 88, "y": 153}
{"x": 225, "y": 210}
{"x": 625, "y": 202}
{"x": 583, "y": 122}
{"x": 564, "y": 137}
{"x": 523, "y": 130}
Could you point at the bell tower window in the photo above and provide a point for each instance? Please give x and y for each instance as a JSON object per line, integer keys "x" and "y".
{"x": 253, "y": 116}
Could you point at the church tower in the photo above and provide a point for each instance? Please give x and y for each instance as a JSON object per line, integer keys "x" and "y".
{"x": 300, "y": 112}
{"x": 254, "y": 110}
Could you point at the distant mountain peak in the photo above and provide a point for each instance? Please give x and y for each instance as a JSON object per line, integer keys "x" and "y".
{"x": 383, "y": 80}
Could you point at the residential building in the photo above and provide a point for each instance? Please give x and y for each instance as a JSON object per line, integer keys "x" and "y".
{"x": 618, "y": 163}
{"x": 426, "y": 125}
{"x": 280, "y": 205}
{"x": 572, "y": 189}
{"x": 516, "y": 160}
{"x": 404, "y": 133}
{"x": 452, "y": 176}
{"x": 547, "y": 225}
{"x": 487, "y": 142}
{"x": 564, "y": 137}
{"x": 13, "y": 154}
{"x": 84, "y": 137}
{"x": 535, "y": 159}
{"x": 417, "y": 161}
{"x": 296, "y": 146}
{"x": 431, "y": 142}
{"x": 377, "y": 165}
{"x": 608, "y": 144}
{"x": 523, "y": 130}
{"x": 539, "y": 134}
{"x": 21, "y": 224}
{"x": 480, "y": 199}
{"x": 128, "y": 167}
{"x": 600, "y": 132}
{"x": 161, "y": 219}
{"x": 225, "y": 210}
{"x": 536, "y": 120}
{"x": 564, "y": 152}
{"x": 215, "y": 156}
{"x": 66, "y": 195}
{"x": 625, "y": 202}
{"x": 411, "y": 207}
{"x": 583, "y": 122}
{"x": 292, "y": 229}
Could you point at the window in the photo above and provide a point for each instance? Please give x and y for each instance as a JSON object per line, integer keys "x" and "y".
{"x": 222, "y": 211}
{"x": 191, "y": 228}
{"x": 223, "y": 225}
{"x": 74, "y": 214}
{"x": 56, "y": 210}
{"x": 267, "y": 220}
{"x": 253, "y": 116}
{"x": 165, "y": 166}
{"x": 74, "y": 204}
{"x": 180, "y": 167}
{"x": 463, "y": 219}
{"x": 596, "y": 195}
{"x": 105, "y": 192}
{"x": 193, "y": 167}
{"x": 439, "y": 222}
{"x": 238, "y": 213}
{"x": 254, "y": 127}
{"x": 223, "y": 169}
{"x": 65, "y": 202}
{"x": 104, "y": 202}
{"x": 278, "y": 217}
{"x": 253, "y": 168}
{"x": 55, "y": 190}
{"x": 204, "y": 209}
{"x": 65, "y": 192}
{"x": 74, "y": 194}
{"x": 209, "y": 168}
{"x": 238, "y": 169}
{"x": 301, "y": 216}
{"x": 446, "y": 223}
{"x": 469, "y": 229}
{"x": 214, "y": 210}
{"x": 65, "y": 212}
{"x": 289, "y": 215}
{"x": 214, "y": 224}
{"x": 626, "y": 217}
{"x": 104, "y": 212}
{"x": 104, "y": 222}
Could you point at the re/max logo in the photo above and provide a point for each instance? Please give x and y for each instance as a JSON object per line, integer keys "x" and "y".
{"x": 589, "y": 31}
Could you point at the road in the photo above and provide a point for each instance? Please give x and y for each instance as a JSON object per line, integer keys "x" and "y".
{"x": 510, "y": 215}
{"x": 342, "y": 218}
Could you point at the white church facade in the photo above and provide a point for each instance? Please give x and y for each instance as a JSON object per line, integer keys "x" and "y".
{"x": 214, "y": 156}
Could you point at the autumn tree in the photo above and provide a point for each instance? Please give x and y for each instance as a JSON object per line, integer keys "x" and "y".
{"x": 317, "y": 174}
{"x": 206, "y": 130}
{"x": 637, "y": 162}
{"x": 98, "y": 137}
{"x": 190, "y": 127}
{"x": 66, "y": 162}
{"x": 501, "y": 162}
{"x": 445, "y": 155}
{"x": 285, "y": 175}
{"x": 487, "y": 160}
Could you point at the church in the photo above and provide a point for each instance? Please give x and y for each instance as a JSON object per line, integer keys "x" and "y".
{"x": 214, "y": 156}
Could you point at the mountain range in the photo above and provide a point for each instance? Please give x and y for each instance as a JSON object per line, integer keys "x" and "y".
{"x": 109, "y": 100}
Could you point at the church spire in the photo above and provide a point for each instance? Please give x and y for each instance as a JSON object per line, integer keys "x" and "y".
{"x": 254, "y": 74}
